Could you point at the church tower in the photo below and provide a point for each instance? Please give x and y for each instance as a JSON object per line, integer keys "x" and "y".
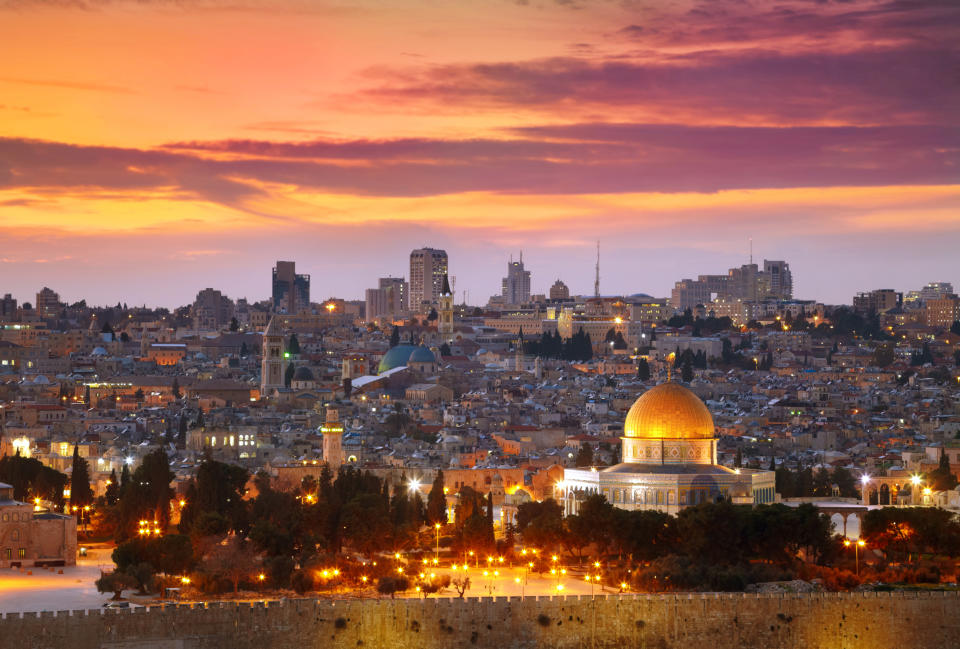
{"x": 445, "y": 324}
{"x": 273, "y": 365}
{"x": 332, "y": 431}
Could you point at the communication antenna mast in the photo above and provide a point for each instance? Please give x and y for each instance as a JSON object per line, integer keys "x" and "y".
{"x": 751, "y": 251}
{"x": 596, "y": 281}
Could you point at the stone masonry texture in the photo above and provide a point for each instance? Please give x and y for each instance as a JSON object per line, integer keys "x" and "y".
{"x": 904, "y": 620}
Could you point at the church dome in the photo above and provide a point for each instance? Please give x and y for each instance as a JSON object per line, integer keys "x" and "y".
{"x": 396, "y": 357}
{"x": 422, "y": 355}
{"x": 303, "y": 373}
{"x": 669, "y": 411}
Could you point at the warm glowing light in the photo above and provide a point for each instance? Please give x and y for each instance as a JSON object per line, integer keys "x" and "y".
{"x": 261, "y": 576}
{"x": 864, "y": 478}
{"x": 916, "y": 480}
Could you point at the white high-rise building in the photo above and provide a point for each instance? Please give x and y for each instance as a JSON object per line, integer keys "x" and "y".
{"x": 515, "y": 287}
{"x": 427, "y": 268}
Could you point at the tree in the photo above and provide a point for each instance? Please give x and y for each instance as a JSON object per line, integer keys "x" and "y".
{"x": 433, "y": 315}
{"x": 686, "y": 373}
{"x": 883, "y": 355}
{"x": 288, "y": 374}
{"x": 460, "y": 584}
{"x": 437, "y": 501}
{"x": 392, "y": 585}
{"x": 234, "y": 325}
{"x": 115, "y": 582}
{"x": 233, "y": 560}
{"x": 175, "y": 388}
{"x": 942, "y": 478}
{"x": 80, "y": 492}
{"x": 444, "y": 349}
{"x": 394, "y": 337}
{"x": 243, "y": 349}
{"x": 293, "y": 345}
{"x": 643, "y": 370}
{"x": 112, "y": 492}
{"x": 585, "y": 456}
{"x": 955, "y": 328}
{"x": 738, "y": 460}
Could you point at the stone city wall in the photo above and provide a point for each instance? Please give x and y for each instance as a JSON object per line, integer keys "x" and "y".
{"x": 717, "y": 621}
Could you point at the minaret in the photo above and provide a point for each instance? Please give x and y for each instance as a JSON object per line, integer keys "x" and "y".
{"x": 273, "y": 365}
{"x": 332, "y": 439}
{"x": 518, "y": 357}
{"x": 596, "y": 282}
{"x": 445, "y": 324}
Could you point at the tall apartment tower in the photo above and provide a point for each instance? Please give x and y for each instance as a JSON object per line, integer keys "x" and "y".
{"x": 332, "y": 431}
{"x": 779, "y": 279}
{"x": 291, "y": 292}
{"x": 445, "y": 324}
{"x": 273, "y": 364}
{"x": 515, "y": 287}
{"x": 428, "y": 266}
{"x": 48, "y": 303}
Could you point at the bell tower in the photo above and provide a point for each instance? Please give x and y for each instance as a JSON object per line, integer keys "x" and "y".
{"x": 332, "y": 431}
{"x": 445, "y": 324}
{"x": 272, "y": 365}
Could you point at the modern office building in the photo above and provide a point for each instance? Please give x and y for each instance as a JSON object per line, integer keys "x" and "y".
{"x": 515, "y": 287}
{"x": 291, "y": 292}
{"x": 427, "y": 269}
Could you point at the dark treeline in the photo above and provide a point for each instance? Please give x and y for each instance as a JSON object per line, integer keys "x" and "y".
{"x": 576, "y": 348}
{"x": 711, "y": 546}
{"x": 226, "y": 535}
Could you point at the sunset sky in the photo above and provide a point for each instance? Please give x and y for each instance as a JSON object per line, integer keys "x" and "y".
{"x": 149, "y": 149}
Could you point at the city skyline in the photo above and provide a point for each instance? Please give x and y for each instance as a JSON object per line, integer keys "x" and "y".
{"x": 200, "y": 142}
{"x": 540, "y": 285}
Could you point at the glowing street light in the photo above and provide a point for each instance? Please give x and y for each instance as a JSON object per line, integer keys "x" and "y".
{"x": 856, "y": 550}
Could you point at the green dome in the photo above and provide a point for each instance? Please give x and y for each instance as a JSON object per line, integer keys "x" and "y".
{"x": 396, "y": 357}
{"x": 422, "y": 355}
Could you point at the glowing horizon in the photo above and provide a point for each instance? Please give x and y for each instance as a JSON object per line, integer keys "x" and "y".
{"x": 151, "y": 149}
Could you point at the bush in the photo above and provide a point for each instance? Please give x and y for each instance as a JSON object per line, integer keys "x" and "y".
{"x": 392, "y": 585}
{"x": 301, "y": 581}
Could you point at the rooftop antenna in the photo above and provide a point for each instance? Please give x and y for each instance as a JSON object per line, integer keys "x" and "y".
{"x": 596, "y": 281}
{"x": 751, "y": 251}
{"x": 521, "y": 257}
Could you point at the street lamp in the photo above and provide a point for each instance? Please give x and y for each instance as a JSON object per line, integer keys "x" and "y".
{"x": 856, "y": 550}
{"x": 437, "y": 555}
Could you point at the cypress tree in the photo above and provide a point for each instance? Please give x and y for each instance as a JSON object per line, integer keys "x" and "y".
{"x": 80, "y": 492}
{"x": 437, "y": 501}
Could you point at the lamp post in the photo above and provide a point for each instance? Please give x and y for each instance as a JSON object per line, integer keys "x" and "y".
{"x": 856, "y": 550}
{"x": 437, "y": 554}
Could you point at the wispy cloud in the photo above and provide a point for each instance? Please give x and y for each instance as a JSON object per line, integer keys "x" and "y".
{"x": 71, "y": 85}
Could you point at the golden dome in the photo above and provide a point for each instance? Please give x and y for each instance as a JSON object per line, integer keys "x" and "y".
{"x": 669, "y": 411}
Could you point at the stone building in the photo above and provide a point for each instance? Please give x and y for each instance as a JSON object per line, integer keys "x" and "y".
{"x": 34, "y": 538}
